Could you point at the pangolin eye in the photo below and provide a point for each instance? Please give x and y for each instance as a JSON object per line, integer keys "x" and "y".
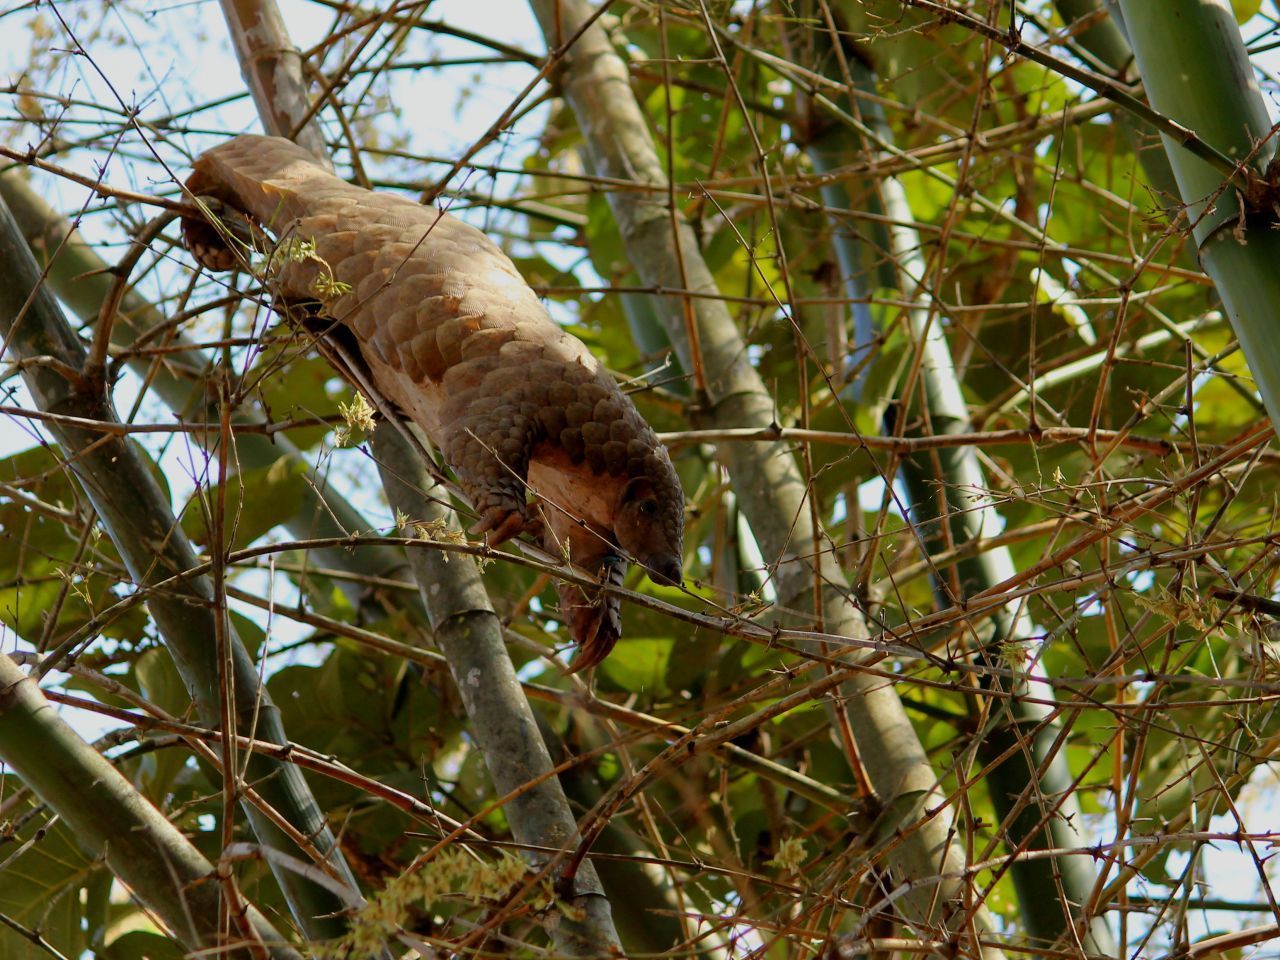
{"x": 648, "y": 508}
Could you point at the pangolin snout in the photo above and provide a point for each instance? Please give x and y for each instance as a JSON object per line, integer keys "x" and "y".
{"x": 664, "y": 569}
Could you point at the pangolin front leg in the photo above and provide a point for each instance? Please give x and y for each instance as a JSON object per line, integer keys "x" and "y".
{"x": 489, "y": 449}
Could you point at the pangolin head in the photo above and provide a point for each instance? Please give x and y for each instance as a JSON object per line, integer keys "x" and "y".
{"x": 649, "y": 522}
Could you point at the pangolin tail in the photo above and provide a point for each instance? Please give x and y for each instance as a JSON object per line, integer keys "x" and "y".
{"x": 263, "y": 179}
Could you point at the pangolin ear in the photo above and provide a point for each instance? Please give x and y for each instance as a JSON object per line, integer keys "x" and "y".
{"x": 637, "y": 488}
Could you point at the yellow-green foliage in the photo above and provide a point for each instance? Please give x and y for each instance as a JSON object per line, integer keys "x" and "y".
{"x": 454, "y": 873}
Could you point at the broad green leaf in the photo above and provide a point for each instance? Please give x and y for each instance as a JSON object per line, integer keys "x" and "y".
{"x": 1245, "y": 10}
{"x": 639, "y": 664}
{"x": 253, "y": 501}
{"x": 41, "y": 889}
{"x": 293, "y": 386}
{"x": 142, "y": 945}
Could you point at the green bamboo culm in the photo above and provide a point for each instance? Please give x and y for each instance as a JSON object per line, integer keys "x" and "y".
{"x": 1196, "y": 71}
{"x": 1103, "y": 38}
{"x": 1096, "y": 34}
{"x": 134, "y": 511}
{"x": 111, "y": 819}
{"x": 1031, "y": 784}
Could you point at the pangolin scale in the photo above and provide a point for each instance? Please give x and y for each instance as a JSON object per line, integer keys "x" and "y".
{"x": 448, "y": 330}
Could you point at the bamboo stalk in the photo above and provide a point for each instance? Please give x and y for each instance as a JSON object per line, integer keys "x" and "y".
{"x": 470, "y": 636}
{"x": 110, "y": 819}
{"x": 1032, "y": 790}
{"x": 1219, "y": 99}
{"x": 136, "y": 515}
{"x": 768, "y": 483}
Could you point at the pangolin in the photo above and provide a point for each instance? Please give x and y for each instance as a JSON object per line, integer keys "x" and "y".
{"x": 443, "y": 325}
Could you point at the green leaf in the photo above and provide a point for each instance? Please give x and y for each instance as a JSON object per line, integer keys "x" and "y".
{"x": 40, "y": 888}
{"x": 256, "y": 501}
{"x": 537, "y": 272}
{"x": 142, "y": 945}
{"x": 32, "y": 536}
{"x": 639, "y": 665}
{"x": 293, "y": 386}
{"x": 603, "y": 240}
{"x": 1245, "y": 10}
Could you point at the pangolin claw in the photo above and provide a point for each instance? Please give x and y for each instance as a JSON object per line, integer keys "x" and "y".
{"x": 596, "y": 632}
{"x": 594, "y": 618}
{"x": 500, "y": 523}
